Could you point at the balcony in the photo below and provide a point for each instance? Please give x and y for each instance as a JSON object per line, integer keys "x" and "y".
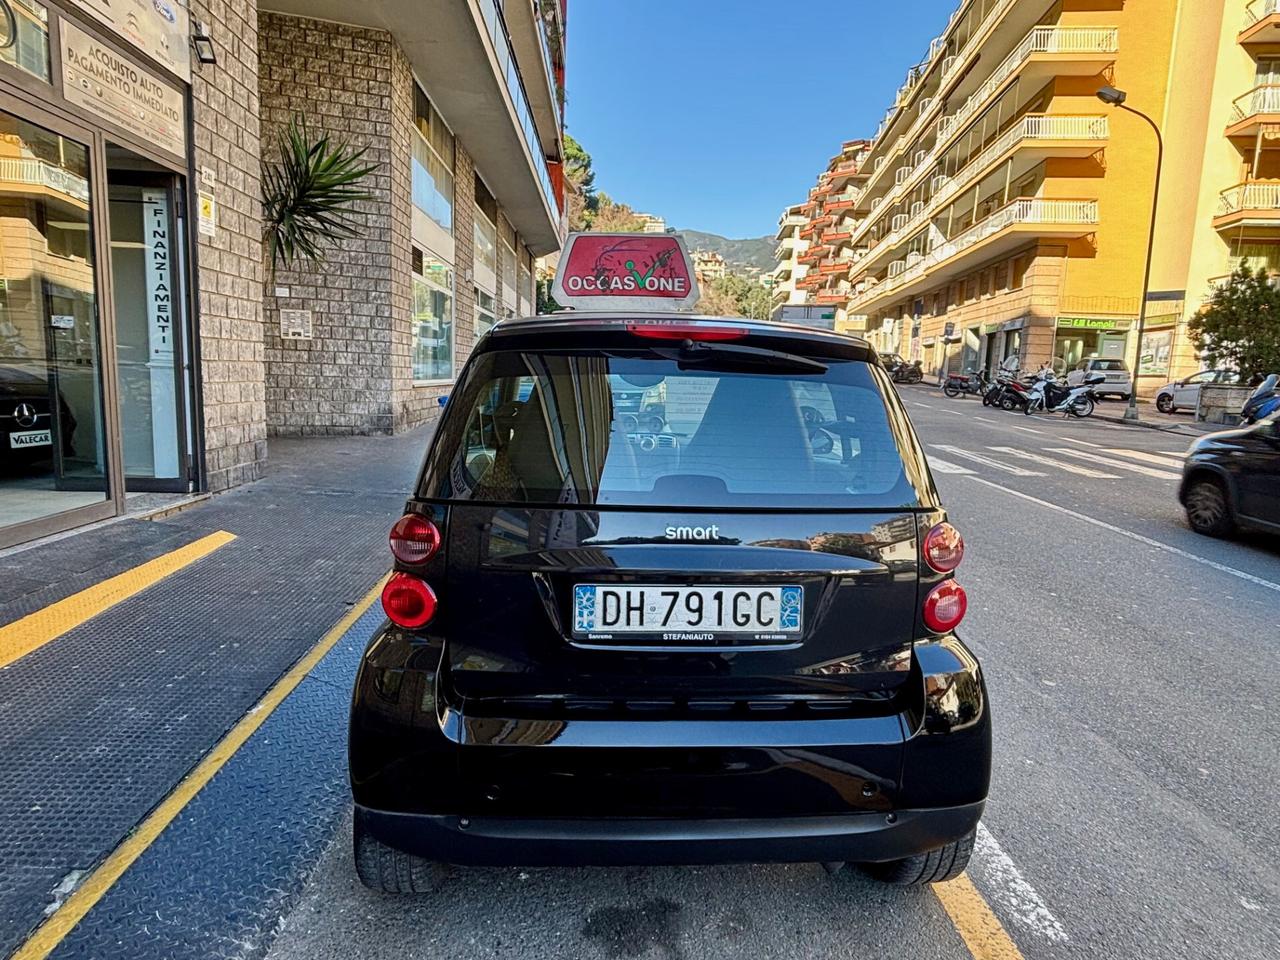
{"x": 1252, "y": 204}
{"x": 1261, "y": 23}
{"x": 1000, "y": 233}
{"x": 1258, "y": 107}
{"x": 1029, "y": 141}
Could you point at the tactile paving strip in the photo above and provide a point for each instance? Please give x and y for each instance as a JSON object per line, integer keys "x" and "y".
{"x": 97, "y": 726}
{"x": 216, "y": 882}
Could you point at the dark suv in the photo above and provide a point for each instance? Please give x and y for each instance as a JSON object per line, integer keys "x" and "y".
{"x": 724, "y": 634}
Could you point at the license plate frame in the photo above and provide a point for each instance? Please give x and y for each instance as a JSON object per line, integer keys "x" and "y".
{"x": 639, "y": 612}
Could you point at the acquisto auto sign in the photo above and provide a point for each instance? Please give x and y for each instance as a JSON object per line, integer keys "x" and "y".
{"x": 611, "y": 271}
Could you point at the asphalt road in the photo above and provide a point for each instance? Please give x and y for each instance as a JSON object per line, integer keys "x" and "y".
{"x": 1132, "y": 668}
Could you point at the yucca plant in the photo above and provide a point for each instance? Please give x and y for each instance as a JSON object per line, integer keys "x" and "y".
{"x": 309, "y": 193}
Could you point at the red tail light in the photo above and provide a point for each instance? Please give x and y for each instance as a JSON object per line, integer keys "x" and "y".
{"x": 945, "y": 606}
{"x": 943, "y": 548}
{"x": 408, "y": 601}
{"x": 685, "y": 331}
{"x": 414, "y": 539}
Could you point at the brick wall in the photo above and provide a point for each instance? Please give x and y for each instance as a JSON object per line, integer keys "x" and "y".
{"x": 348, "y": 82}
{"x": 225, "y": 118}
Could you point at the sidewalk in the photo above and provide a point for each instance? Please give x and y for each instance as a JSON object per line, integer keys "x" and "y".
{"x": 106, "y": 703}
{"x": 1152, "y": 419}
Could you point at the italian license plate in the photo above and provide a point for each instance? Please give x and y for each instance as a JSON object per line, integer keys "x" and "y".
{"x": 675, "y": 613}
{"x": 29, "y": 438}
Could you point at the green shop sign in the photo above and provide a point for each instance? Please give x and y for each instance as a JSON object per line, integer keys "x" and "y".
{"x": 1093, "y": 323}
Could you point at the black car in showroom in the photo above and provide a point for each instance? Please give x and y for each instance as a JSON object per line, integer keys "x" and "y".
{"x": 28, "y": 428}
{"x": 726, "y": 635}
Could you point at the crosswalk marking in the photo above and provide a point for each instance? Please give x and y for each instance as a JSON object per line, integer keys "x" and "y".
{"x": 986, "y": 461}
{"x": 1119, "y": 464}
{"x": 1173, "y": 463}
{"x": 946, "y": 466}
{"x": 1060, "y": 464}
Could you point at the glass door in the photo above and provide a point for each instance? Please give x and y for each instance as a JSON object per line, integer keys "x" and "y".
{"x": 53, "y": 452}
{"x": 146, "y": 270}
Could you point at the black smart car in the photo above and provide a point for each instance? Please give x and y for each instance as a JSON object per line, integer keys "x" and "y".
{"x": 723, "y": 635}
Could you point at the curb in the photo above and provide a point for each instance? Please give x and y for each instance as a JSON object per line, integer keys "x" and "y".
{"x": 1176, "y": 428}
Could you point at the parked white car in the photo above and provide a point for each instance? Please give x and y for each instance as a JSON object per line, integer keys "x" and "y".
{"x": 1185, "y": 394}
{"x": 1118, "y": 383}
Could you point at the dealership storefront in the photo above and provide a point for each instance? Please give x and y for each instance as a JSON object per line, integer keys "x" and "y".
{"x": 96, "y": 346}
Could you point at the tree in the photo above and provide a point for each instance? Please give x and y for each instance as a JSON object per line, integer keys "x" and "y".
{"x": 736, "y": 296}
{"x": 1240, "y": 326}
{"x": 582, "y": 199}
{"x": 611, "y": 217}
{"x": 309, "y": 194}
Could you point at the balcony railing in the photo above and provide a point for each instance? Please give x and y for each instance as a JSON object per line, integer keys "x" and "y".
{"x": 1025, "y": 210}
{"x": 1258, "y": 195}
{"x": 1259, "y": 100}
{"x": 40, "y": 173}
{"x": 515, "y": 87}
{"x": 1032, "y": 127}
{"x": 1105, "y": 40}
{"x": 1259, "y": 10}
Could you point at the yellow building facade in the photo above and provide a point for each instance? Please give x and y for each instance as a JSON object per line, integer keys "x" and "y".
{"x": 1003, "y": 209}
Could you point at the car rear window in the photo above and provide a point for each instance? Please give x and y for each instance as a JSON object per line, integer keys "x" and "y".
{"x": 1108, "y": 365}
{"x": 631, "y": 428}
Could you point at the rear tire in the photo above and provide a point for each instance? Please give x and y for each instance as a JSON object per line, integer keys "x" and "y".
{"x": 1208, "y": 509}
{"x": 1083, "y": 407}
{"x": 951, "y": 390}
{"x": 936, "y": 866}
{"x": 1008, "y": 403}
{"x": 388, "y": 870}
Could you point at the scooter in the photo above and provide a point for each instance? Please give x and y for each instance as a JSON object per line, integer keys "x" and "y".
{"x": 1009, "y": 393}
{"x": 1263, "y": 402}
{"x": 960, "y": 383}
{"x": 908, "y": 373}
{"x": 1047, "y": 394}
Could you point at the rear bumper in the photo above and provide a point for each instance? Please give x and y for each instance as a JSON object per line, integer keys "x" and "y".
{"x": 432, "y": 779}
{"x": 489, "y": 841}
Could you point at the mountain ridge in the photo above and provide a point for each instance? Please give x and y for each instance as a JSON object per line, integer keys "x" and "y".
{"x": 747, "y": 252}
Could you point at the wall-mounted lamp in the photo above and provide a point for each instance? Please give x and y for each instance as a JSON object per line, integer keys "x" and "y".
{"x": 202, "y": 43}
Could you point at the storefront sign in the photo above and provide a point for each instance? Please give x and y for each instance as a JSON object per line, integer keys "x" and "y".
{"x": 619, "y": 271}
{"x": 948, "y": 329}
{"x": 295, "y": 324}
{"x": 62, "y": 321}
{"x": 160, "y": 333}
{"x": 159, "y": 28}
{"x": 97, "y": 79}
{"x": 1093, "y": 323}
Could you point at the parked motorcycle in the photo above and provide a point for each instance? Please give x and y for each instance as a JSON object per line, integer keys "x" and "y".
{"x": 1009, "y": 393}
{"x": 908, "y": 373}
{"x": 960, "y": 383}
{"x": 1049, "y": 395}
{"x": 1263, "y": 402}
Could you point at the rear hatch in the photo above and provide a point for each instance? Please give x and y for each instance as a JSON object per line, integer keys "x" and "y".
{"x": 752, "y": 538}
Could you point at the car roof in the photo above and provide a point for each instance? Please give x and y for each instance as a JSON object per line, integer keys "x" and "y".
{"x": 613, "y": 321}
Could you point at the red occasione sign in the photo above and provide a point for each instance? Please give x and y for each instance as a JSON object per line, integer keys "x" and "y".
{"x": 625, "y": 270}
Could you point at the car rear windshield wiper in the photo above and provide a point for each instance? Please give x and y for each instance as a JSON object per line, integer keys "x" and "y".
{"x": 712, "y": 355}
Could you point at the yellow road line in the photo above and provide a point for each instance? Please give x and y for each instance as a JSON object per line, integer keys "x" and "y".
{"x": 50, "y": 933}
{"x": 982, "y": 932}
{"x": 19, "y": 638}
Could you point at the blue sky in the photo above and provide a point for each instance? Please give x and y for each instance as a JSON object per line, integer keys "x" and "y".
{"x": 715, "y": 114}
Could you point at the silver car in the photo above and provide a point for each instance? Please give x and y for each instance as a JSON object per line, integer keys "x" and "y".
{"x": 1118, "y": 382}
{"x": 1185, "y": 394}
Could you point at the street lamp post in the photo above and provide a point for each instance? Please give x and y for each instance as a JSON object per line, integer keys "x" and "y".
{"x": 1116, "y": 98}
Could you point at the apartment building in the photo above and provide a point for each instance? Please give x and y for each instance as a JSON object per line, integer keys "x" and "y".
{"x": 708, "y": 265}
{"x": 145, "y": 344}
{"x": 789, "y": 270}
{"x": 1004, "y": 210}
{"x": 651, "y": 223}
